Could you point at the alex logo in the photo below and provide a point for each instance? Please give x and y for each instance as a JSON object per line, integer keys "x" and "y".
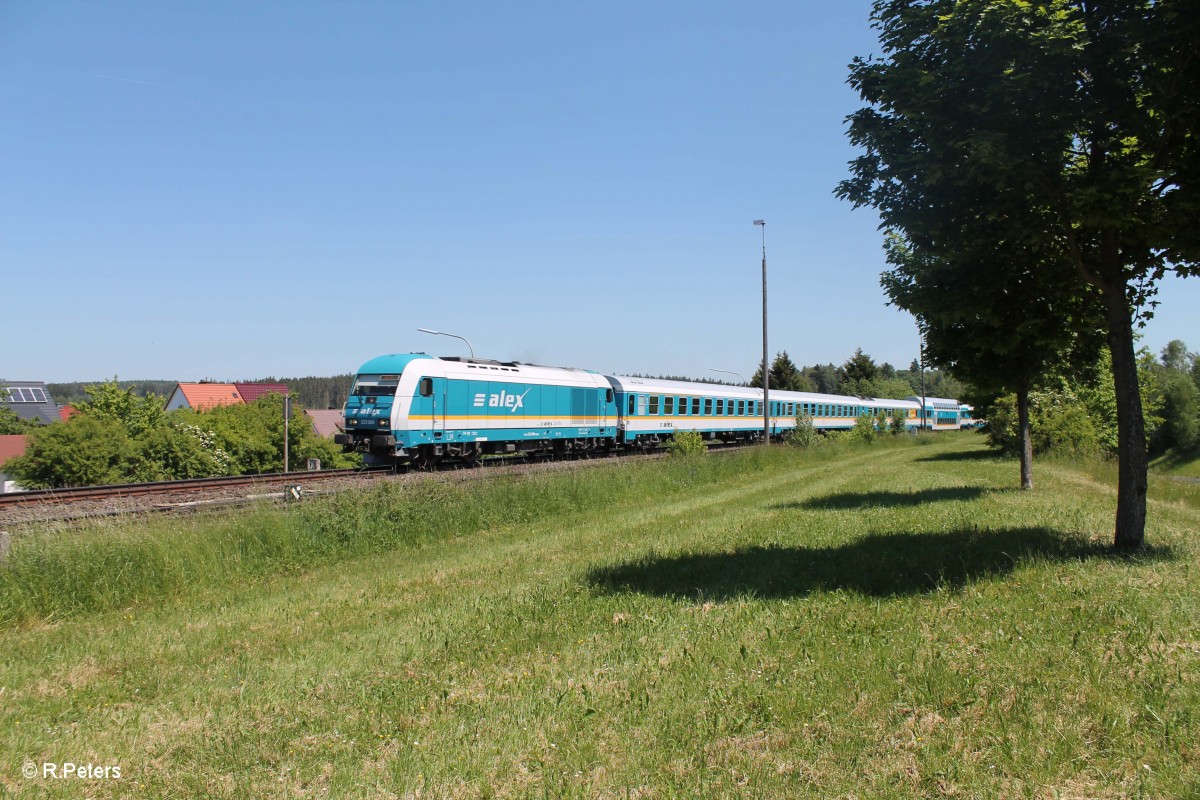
{"x": 501, "y": 400}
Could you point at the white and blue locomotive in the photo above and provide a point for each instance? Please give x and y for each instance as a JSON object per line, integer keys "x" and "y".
{"x": 414, "y": 408}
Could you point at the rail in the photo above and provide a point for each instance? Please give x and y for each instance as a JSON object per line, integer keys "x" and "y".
{"x": 174, "y": 487}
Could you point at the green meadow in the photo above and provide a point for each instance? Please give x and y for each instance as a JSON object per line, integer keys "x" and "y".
{"x": 853, "y": 621}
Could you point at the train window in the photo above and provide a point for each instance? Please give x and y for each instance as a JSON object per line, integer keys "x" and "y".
{"x": 641, "y": 405}
{"x": 632, "y": 400}
{"x": 720, "y": 407}
{"x": 426, "y": 387}
{"x": 695, "y": 405}
{"x": 708, "y": 405}
{"x": 653, "y": 405}
{"x": 669, "y": 410}
{"x": 608, "y": 396}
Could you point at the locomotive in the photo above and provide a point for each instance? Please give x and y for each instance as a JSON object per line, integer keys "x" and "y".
{"x": 415, "y": 408}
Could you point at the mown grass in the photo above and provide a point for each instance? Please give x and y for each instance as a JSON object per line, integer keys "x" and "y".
{"x": 893, "y": 621}
{"x": 1179, "y": 466}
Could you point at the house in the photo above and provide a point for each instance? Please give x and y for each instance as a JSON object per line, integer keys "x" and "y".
{"x": 207, "y": 394}
{"x": 29, "y": 399}
{"x": 252, "y": 391}
{"x": 326, "y": 421}
{"x": 204, "y": 395}
{"x": 10, "y": 447}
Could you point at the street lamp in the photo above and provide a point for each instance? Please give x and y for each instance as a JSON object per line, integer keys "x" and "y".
{"x": 766, "y": 372}
{"x": 455, "y": 335}
{"x": 727, "y": 372}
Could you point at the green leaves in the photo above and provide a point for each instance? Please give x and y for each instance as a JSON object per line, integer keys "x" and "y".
{"x": 118, "y": 437}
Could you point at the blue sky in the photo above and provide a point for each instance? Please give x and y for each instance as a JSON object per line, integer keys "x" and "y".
{"x": 236, "y": 190}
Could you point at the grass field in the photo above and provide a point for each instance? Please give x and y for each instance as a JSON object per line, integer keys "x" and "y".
{"x": 1182, "y": 467}
{"x": 885, "y": 621}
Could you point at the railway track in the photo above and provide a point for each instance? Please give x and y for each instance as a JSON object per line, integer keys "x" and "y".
{"x": 68, "y": 505}
{"x": 190, "y": 485}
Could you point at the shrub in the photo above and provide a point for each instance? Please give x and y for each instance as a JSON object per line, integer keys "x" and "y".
{"x": 1058, "y": 423}
{"x": 864, "y": 429}
{"x": 1067, "y": 431}
{"x": 686, "y": 444}
{"x": 804, "y": 434}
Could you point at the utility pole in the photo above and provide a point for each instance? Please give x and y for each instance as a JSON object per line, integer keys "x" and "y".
{"x": 766, "y": 367}
{"x": 287, "y": 416}
{"x": 923, "y": 401}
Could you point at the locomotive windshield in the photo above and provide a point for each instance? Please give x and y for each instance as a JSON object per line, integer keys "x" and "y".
{"x": 375, "y": 387}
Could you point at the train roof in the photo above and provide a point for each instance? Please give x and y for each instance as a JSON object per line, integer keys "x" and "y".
{"x": 625, "y": 383}
{"x": 936, "y": 402}
{"x": 392, "y": 364}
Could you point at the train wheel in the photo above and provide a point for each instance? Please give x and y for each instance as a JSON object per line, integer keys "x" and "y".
{"x": 426, "y": 461}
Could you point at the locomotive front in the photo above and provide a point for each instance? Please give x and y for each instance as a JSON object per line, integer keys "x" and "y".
{"x": 375, "y": 414}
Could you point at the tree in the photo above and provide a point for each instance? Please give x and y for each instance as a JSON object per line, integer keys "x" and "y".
{"x": 1175, "y": 356}
{"x": 824, "y": 377}
{"x": 991, "y": 312}
{"x": 857, "y": 375}
{"x": 84, "y": 451}
{"x": 1085, "y": 113}
{"x": 109, "y": 401}
{"x": 11, "y": 423}
{"x": 785, "y": 376}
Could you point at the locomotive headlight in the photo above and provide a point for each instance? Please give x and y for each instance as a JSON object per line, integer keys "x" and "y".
{"x": 352, "y": 421}
{"x": 383, "y": 423}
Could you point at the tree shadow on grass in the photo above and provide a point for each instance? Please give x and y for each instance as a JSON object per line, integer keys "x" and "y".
{"x": 963, "y": 455}
{"x": 857, "y": 500}
{"x": 877, "y": 565}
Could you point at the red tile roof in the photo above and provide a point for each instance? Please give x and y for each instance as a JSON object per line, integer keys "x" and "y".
{"x": 252, "y": 391}
{"x": 66, "y": 412}
{"x": 210, "y": 395}
{"x": 11, "y": 447}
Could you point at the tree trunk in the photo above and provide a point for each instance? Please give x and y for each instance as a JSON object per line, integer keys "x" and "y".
{"x": 1131, "y": 429}
{"x": 1023, "y": 435}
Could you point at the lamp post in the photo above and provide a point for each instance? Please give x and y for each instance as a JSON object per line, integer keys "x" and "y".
{"x": 766, "y": 370}
{"x": 455, "y": 335}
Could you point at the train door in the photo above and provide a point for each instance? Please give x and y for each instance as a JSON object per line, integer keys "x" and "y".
{"x": 435, "y": 390}
{"x": 432, "y": 391}
{"x": 440, "y": 402}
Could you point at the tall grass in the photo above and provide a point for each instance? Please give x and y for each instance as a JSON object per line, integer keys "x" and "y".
{"x": 866, "y": 622}
{"x": 63, "y": 571}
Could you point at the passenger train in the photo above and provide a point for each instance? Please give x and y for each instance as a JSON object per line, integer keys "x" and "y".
{"x": 415, "y": 408}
